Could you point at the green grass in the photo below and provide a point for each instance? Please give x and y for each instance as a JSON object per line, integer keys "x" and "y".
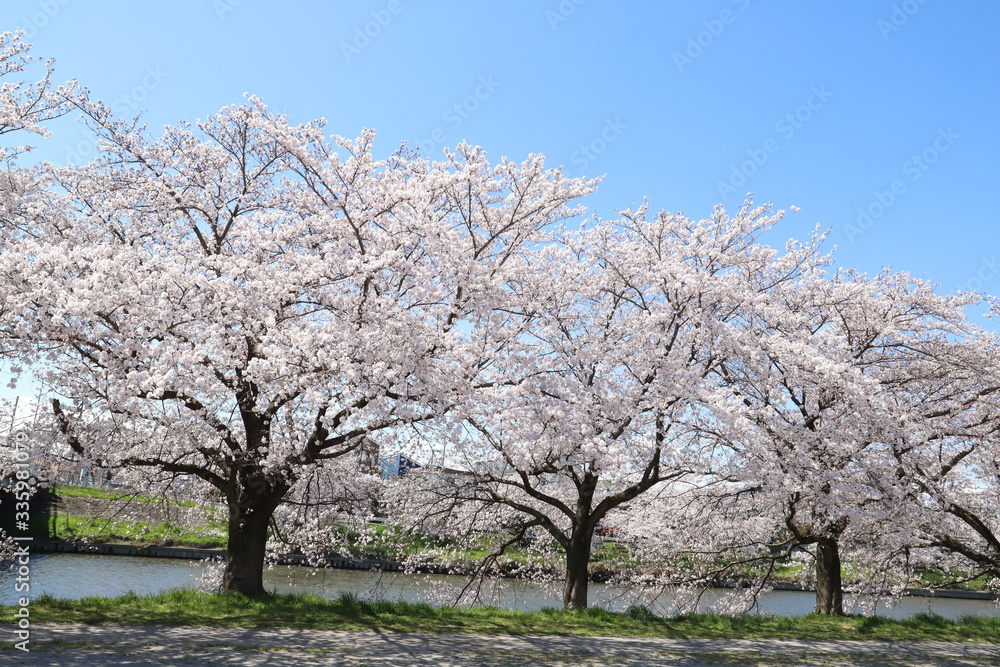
{"x": 955, "y": 580}
{"x": 71, "y": 491}
{"x": 190, "y": 608}
{"x": 97, "y": 529}
{"x": 109, "y": 529}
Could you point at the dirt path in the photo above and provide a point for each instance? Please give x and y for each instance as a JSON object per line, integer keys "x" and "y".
{"x": 66, "y": 645}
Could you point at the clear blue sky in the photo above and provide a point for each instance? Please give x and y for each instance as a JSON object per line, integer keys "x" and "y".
{"x": 888, "y": 106}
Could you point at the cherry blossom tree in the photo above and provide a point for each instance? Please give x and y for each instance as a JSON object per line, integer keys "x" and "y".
{"x": 834, "y": 393}
{"x": 946, "y": 448}
{"x": 27, "y": 106}
{"x": 692, "y": 538}
{"x": 597, "y": 403}
{"x": 245, "y": 302}
{"x": 24, "y": 108}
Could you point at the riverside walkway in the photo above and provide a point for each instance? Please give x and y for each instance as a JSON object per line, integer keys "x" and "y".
{"x": 72, "y": 645}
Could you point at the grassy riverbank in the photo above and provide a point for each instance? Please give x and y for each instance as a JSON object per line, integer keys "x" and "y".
{"x": 73, "y": 491}
{"x": 97, "y": 529}
{"x": 190, "y": 608}
{"x": 116, "y": 517}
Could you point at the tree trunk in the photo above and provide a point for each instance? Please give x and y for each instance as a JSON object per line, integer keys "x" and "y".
{"x": 577, "y": 572}
{"x": 248, "y": 524}
{"x": 829, "y": 587}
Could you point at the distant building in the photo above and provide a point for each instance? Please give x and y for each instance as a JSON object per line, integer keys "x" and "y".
{"x": 397, "y": 465}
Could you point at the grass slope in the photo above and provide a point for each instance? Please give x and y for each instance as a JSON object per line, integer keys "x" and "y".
{"x": 72, "y": 491}
{"x": 97, "y": 529}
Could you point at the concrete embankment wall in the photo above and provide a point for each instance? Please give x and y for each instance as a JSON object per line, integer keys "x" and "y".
{"x": 190, "y": 553}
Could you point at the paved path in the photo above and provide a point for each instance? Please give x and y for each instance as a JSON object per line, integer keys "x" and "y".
{"x": 186, "y": 647}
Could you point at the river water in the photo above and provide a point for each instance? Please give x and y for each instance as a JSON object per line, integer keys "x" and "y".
{"x": 81, "y": 575}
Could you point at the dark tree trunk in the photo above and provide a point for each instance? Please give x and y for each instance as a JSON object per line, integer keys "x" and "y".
{"x": 829, "y": 587}
{"x": 248, "y": 523}
{"x": 577, "y": 571}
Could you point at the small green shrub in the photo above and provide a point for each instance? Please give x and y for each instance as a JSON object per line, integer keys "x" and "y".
{"x": 639, "y": 613}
